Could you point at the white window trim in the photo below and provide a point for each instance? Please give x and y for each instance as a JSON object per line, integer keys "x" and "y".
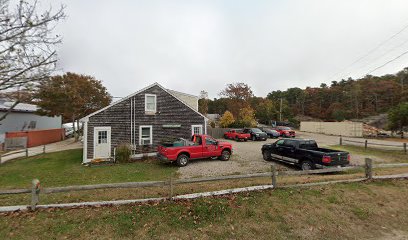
{"x": 194, "y": 126}
{"x": 140, "y": 133}
{"x": 155, "y": 102}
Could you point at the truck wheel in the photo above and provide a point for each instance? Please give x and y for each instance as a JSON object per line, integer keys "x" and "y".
{"x": 266, "y": 155}
{"x": 182, "y": 160}
{"x": 225, "y": 155}
{"x": 307, "y": 165}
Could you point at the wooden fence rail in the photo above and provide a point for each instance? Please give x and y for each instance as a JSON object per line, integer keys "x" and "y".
{"x": 403, "y": 146}
{"x": 26, "y": 151}
{"x": 36, "y": 189}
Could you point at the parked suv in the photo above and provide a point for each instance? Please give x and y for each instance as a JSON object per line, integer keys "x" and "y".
{"x": 256, "y": 134}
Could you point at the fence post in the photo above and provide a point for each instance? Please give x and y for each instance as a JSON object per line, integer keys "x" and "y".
{"x": 273, "y": 170}
{"x": 341, "y": 140}
{"x": 369, "y": 168}
{"x": 26, "y": 152}
{"x": 365, "y": 144}
{"x": 405, "y": 148}
{"x": 35, "y": 193}
{"x": 44, "y": 149}
{"x": 171, "y": 187}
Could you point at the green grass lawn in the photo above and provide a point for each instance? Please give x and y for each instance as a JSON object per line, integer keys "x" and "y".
{"x": 393, "y": 155}
{"x": 64, "y": 168}
{"x": 371, "y": 210}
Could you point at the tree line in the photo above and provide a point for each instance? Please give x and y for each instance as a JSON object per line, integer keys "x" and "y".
{"x": 341, "y": 100}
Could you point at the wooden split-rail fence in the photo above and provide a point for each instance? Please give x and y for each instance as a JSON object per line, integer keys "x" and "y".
{"x": 366, "y": 144}
{"x": 36, "y": 189}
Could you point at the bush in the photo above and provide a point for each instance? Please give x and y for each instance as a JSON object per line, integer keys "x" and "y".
{"x": 227, "y": 119}
{"x": 123, "y": 152}
{"x": 212, "y": 124}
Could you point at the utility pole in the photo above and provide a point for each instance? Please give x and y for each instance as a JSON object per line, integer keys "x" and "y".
{"x": 280, "y": 110}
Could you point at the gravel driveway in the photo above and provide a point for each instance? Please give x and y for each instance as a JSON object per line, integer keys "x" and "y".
{"x": 247, "y": 157}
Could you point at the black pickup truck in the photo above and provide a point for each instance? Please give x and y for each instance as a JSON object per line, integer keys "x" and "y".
{"x": 305, "y": 154}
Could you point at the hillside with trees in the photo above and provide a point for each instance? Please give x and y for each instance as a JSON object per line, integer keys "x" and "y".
{"x": 341, "y": 100}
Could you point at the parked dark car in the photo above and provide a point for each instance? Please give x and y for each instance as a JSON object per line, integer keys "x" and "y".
{"x": 305, "y": 154}
{"x": 271, "y": 133}
{"x": 256, "y": 134}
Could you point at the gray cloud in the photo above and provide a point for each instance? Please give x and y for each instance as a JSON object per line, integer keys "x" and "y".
{"x": 194, "y": 45}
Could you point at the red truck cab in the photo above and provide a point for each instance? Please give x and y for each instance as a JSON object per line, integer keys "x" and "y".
{"x": 237, "y": 135}
{"x": 200, "y": 146}
{"x": 285, "y": 131}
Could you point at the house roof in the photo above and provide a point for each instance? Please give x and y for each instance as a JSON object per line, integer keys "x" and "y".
{"x": 21, "y": 107}
{"x": 141, "y": 90}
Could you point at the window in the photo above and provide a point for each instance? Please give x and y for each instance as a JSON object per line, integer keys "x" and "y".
{"x": 280, "y": 142}
{"x": 289, "y": 143}
{"x": 150, "y": 102}
{"x": 102, "y": 137}
{"x": 145, "y": 135}
{"x": 210, "y": 141}
{"x": 196, "y": 129}
{"x": 32, "y": 124}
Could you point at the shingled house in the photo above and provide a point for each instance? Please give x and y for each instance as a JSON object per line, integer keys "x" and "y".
{"x": 146, "y": 117}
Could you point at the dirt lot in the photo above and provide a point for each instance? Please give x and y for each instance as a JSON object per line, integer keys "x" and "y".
{"x": 247, "y": 157}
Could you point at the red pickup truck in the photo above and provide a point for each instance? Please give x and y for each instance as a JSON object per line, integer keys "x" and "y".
{"x": 285, "y": 131}
{"x": 237, "y": 135}
{"x": 200, "y": 146}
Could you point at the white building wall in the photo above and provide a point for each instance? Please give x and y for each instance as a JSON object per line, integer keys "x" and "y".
{"x": 20, "y": 121}
{"x": 349, "y": 129}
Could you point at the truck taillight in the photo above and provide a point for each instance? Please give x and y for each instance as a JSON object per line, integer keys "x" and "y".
{"x": 348, "y": 158}
{"x": 326, "y": 159}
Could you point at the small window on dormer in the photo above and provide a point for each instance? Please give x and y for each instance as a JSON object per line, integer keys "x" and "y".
{"x": 150, "y": 103}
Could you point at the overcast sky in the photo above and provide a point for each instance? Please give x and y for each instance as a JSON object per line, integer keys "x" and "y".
{"x": 189, "y": 45}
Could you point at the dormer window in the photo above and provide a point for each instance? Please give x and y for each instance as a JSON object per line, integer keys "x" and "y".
{"x": 150, "y": 103}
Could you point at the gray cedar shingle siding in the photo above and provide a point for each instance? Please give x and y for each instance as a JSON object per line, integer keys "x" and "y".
{"x": 118, "y": 117}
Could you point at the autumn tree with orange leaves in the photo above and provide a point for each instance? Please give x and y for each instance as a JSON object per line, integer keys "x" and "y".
{"x": 72, "y": 96}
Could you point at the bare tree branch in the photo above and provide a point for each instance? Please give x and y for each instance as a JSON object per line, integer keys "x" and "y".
{"x": 27, "y": 45}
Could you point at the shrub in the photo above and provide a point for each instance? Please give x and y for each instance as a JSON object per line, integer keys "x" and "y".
{"x": 227, "y": 119}
{"x": 123, "y": 152}
{"x": 212, "y": 124}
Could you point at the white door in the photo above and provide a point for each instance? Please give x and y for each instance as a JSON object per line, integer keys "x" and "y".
{"x": 196, "y": 129}
{"x": 102, "y": 142}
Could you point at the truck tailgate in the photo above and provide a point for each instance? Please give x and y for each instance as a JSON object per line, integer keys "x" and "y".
{"x": 338, "y": 158}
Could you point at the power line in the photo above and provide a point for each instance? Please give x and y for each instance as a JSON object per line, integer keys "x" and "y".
{"x": 382, "y": 55}
{"x": 390, "y": 61}
{"x": 369, "y": 52}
